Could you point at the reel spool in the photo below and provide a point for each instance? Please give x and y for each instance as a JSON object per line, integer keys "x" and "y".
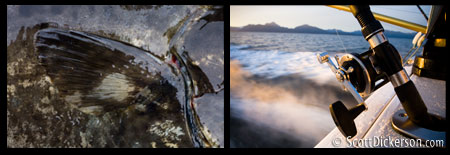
{"x": 358, "y": 74}
{"x": 361, "y": 70}
{"x": 365, "y": 73}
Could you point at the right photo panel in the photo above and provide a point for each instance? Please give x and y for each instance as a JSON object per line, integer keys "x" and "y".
{"x": 337, "y": 76}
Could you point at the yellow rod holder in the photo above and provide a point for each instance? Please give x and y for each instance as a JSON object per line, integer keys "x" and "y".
{"x": 390, "y": 20}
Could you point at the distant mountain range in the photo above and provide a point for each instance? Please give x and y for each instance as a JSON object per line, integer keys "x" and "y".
{"x": 274, "y": 27}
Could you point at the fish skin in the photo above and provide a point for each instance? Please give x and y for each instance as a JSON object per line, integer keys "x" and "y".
{"x": 22, "y": 64}
{"x": 103, "y": 77}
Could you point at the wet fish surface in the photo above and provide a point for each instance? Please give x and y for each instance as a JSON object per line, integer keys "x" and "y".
{"x": 106, "y": 92}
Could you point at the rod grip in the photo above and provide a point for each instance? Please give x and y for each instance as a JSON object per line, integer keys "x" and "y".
{"x": 365, "y": 18}
{"x": 413, "y": 103}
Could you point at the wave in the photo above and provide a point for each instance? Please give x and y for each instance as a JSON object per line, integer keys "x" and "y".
{"x": 272, "y": 63}
{"x": 238, "y": 47}
{"x": 250, "y": 47}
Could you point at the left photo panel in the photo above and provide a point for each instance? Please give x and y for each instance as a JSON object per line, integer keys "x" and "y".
{"x": 128, "y": 76}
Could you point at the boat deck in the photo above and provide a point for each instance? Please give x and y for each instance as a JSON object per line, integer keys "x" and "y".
{"x": 382, "y": 104}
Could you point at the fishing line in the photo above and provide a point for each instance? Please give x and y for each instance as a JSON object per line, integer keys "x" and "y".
{"x": 406, "y": 56}
{"x": 414, "y": 53}
{"x": 418, "y": 41}
{"x": 342, "y": 43}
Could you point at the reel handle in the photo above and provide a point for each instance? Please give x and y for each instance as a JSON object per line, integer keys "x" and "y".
{"x": 344, "y": 118}
{"x": 342, "y": 75}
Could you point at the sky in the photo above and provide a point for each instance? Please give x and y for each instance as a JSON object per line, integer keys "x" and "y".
{"x": 322, "y": 16}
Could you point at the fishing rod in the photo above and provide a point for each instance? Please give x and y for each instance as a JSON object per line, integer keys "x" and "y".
{"x": 360, "y": 73}
{"x": 388, "y": 19}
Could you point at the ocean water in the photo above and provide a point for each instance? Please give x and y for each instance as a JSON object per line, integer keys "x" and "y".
{"x": 280, "y": 92}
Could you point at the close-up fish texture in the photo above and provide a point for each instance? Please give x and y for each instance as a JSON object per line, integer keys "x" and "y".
{"x": 115, "y": 76}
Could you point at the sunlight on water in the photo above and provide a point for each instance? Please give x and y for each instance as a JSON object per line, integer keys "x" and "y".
{"x": 279, "y": 91}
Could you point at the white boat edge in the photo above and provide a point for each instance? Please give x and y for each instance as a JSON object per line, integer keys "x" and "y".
{"x": 370, "y": 121}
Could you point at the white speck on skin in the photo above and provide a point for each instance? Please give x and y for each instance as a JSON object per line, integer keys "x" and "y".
{"x": 26, "y": 83}
{"x": 44, "y": 80}
{"x": 196, "y": 63}
{"x": 167, "y": 131}
{"x": 84, "y": 142}
{"x": 45, "y": 109}
{"x": 11, "y": 68}
{"x": 210, "y": 57}
{"x": 221, "y": 61}
{"x": 203, "y": 60}
{"x": 165, "y": 106}
{"x": 140, "y": 107}
{"x": 45, "y": 100}
{"x": 52, "y": 90}
{"x": 11, "y": 89}
{"x": 171, "y": 145}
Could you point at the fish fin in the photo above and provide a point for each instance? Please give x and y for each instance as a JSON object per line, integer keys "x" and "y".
{"x": 93, "y": 73}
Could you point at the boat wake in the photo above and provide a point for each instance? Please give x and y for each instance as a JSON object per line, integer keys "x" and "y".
{"x": 284, "y": 111}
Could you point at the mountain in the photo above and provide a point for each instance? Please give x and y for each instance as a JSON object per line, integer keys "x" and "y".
{"x": 274, "y": 27}
{"x": 269, "y": 27}
{"x": 235, "y": 29}
{"x": 396, "y": 34}
{"x": 309, "y": 29}
{"x": 340, "y": 32}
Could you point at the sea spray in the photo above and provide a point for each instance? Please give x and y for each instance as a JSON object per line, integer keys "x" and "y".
{"x": 276, "y": 108}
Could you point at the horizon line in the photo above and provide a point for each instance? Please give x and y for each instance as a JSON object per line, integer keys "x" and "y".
{"x": 315, "y": 26}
